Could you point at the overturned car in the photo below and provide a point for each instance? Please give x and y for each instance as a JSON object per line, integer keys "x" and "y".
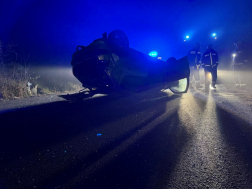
{"x": 109, "y": 63}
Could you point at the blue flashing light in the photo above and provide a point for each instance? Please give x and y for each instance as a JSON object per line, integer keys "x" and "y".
{"x": 153, "y": 54}
{"x": 214, "y": 34}
{"x": 98, "y": 134}
{"x": 187, "y": 37}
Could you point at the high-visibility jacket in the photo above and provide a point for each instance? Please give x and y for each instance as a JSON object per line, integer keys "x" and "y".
{"x": 194, "y": 57}
{"x": 210, "y": 58}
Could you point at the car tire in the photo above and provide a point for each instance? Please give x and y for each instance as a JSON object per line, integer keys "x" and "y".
{"x": 119, "y": 38}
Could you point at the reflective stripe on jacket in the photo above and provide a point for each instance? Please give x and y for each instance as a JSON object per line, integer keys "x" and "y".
{"x": 194, "y": 57}
{"x": 210, "y": 58}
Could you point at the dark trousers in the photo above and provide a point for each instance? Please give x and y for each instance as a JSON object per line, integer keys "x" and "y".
{"x": 195, "y": 73}
{"x": 210, "y": 71}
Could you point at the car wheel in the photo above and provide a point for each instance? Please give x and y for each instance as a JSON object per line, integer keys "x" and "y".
{"x": 119, "y": 38}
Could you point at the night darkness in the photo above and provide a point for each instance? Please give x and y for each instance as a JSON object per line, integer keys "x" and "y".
{"x": 111, "y": 117}
{"x": 51, "y": 30}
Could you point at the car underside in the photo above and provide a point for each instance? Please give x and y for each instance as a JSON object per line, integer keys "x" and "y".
{"x": 110, "y": 63}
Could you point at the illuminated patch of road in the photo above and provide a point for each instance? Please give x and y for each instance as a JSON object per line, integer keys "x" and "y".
{"x": 207, "y": 160}
{"x": 238, "y": 103}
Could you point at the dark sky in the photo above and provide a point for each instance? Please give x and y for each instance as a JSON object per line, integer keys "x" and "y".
{"x": 51, "y": 30}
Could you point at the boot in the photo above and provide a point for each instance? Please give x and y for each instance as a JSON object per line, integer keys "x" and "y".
{"x": 213, "y": 85}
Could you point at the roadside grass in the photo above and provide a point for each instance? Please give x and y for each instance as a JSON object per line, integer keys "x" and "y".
{"x": 11, "y": 88}
{"x": 14, "y": 84}
{"x": 20, "y": 78}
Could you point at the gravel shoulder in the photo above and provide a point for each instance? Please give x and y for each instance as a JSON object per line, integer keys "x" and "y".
{"x": 12, "y": 105}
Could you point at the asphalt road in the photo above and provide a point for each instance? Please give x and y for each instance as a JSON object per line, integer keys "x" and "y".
{"x": 148, "y": 140}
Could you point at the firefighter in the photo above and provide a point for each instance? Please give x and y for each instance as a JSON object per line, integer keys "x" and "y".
{"x": 210, "y": 63}
{"x": 240, "y": 63}
{"x": 194, "y": 57}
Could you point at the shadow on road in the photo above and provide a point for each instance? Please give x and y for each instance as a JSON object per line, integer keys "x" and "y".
{"x": 143, "y": 157}
{"x": 155, "y": 154}
{"x": 30, "y": 130}
{"x": 238, "y": 136}
{"x": 236, "y": 131}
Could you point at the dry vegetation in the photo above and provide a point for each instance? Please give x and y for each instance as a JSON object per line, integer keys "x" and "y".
{"x": 16, "y": 72}
{"x": 12, "y": 83}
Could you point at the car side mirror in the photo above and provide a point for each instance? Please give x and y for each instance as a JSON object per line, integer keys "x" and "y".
{"x": 180, "y": 86}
